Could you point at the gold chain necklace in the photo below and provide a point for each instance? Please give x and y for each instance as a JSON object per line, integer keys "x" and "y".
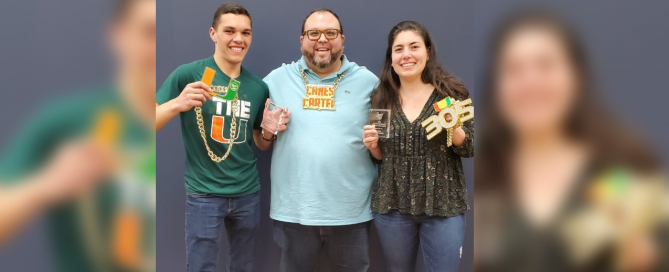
{"x": 233, "y": 130}
{"x": 334, "y": 86}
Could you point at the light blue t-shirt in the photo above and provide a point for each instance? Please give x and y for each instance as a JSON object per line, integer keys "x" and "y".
{"x": 322, "y": 173}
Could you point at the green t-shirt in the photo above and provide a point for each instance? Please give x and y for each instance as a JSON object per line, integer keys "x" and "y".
{"x": 237, "y": 175}
{"x": 82, "y": 239}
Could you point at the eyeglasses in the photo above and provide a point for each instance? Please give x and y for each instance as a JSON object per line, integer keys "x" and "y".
{"x": 315, "y": 34}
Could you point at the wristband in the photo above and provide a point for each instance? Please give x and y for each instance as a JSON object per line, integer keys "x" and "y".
{"x": 262, "y": 132}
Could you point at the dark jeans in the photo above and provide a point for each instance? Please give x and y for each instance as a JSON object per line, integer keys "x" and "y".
{"x": 347, "y": 247}
{"x": 207, "y": 216}
{"x": 440, "y": 239}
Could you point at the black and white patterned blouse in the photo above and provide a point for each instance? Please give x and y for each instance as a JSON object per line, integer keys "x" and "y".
{"x": 419, "y": 176}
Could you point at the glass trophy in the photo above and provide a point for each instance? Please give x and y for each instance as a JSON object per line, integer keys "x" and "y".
{"x": 272, "y": 118}
{"x": 380, "y": 118}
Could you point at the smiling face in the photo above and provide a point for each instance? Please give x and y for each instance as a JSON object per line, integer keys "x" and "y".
{"x": 232, "y": 37}
{"x": 409, "y": 55}
{"x": 536, "y": 81}
{"x": 323, "y": 52}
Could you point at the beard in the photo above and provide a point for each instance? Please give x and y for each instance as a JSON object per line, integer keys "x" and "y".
{"x": 311, "y": 57}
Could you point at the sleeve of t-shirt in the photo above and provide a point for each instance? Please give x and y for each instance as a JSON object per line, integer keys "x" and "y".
{"x": 173, "y": 85}
{"x": 261, "y": 109}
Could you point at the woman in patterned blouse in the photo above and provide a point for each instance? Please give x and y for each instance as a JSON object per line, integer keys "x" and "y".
{"x": 419, "y": 196}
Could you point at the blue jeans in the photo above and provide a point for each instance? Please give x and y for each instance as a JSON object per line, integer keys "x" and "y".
{"x": 346, "y": 247}
{"x": 440, "y": 239}
{"x": 207, "y": 216}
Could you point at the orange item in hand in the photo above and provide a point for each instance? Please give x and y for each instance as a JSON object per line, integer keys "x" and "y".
{"x": 107, "y": 128}
{"x": 208, "y": 77}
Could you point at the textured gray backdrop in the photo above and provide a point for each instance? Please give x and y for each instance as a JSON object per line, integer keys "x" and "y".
{"x": 628, "y": 45}
{"x": 183, "y": 37}
{"x": 47, "y": 49}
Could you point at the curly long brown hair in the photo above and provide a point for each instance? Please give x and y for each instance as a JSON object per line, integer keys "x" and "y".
{"x": 446, "y": 84}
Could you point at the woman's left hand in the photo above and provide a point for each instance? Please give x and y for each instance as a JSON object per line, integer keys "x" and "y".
{"x": 459, "y": 136}
{"x": 370, "y": 137}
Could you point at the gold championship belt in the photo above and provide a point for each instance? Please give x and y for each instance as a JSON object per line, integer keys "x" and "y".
{"x": 460, "y": 112}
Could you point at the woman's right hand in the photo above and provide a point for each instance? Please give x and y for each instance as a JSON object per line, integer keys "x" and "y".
{"x": 370, "y": 137}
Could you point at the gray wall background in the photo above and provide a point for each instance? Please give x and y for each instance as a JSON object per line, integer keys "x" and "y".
{"x": 628, "y": 45}
{"x": 47, "y": 49}
{"x": 61, "y": 42}
{"x": 183, "y": 37}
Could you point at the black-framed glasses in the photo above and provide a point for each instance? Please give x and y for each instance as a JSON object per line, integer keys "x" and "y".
{"x": 315, "y": 34}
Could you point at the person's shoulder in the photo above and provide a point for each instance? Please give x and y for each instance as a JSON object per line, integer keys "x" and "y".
{"x": 73, "y": 108}
{"x": 192, "y": 66}
{"x": 251, "y": 76}
{"x": 186, "y": 73}
{"x": 84, "y": 99}
{"x": 253, "y": 79}
{"x": 282, "y": 71}
{"x": 366, "y": 73}
{"x": 59, "y": 118}
{"x": 186, "y": 69}
{"x": 362, "y": 73}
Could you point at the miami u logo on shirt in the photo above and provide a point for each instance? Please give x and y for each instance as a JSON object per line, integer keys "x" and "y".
{"x": 218, "y": 123}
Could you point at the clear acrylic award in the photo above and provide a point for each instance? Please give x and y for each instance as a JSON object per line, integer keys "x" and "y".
{"x": 272, "y": 118}
{"x": 380, "y": 118}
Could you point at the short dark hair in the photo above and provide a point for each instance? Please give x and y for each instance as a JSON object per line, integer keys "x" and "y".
{"x": 341, "y": 27}
{"x": 230, "y": 7}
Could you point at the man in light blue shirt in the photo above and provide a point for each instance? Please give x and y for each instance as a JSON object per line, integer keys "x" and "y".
{"x": 322, "y": 173}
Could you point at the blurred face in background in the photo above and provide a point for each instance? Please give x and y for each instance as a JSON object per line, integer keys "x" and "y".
{"x": 536, "y": 83}
{"x": 133, "y": 40}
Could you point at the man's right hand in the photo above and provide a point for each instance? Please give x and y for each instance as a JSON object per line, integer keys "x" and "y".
{"x": 76, "y": 168}
{"x": 270, "y": 122}
{"x": 194, "y": 94}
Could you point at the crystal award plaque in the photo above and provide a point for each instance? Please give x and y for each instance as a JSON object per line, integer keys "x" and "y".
{"x": 272, "y": 118}
{"x": 380, "y": 118}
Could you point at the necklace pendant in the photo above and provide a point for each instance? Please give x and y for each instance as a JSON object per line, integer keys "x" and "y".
{"x": 319, "y": 97}
{"x": 227, "y": 92}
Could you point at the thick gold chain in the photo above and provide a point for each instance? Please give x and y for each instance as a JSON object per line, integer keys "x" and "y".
{"x": 449, "y": 133}
{"x": 233, "y": 131}
{"x": 334, "y": 86}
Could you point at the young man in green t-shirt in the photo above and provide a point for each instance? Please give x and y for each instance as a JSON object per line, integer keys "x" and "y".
{"x": 221, "y": 177}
